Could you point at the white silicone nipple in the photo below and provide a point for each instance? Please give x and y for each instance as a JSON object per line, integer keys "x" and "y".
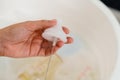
{"x": 54, "y": 32}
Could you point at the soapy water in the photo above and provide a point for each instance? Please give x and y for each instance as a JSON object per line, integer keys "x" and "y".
{"x": 36, "y": 71}
{"x": 77, "y": 67}
{"x": 74, "y": 68}
{"x": 79, "y": 64}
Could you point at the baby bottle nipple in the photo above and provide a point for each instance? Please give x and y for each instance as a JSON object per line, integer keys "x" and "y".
{"x": 55, "y": 32}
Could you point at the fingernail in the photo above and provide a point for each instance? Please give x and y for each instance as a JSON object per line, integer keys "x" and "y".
{"x": 53, "y": 21}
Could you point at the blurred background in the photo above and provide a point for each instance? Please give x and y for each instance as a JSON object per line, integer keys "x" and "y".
{"x": 114, "y": 5}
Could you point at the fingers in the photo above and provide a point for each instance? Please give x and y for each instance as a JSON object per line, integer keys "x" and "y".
{"x": 59, "y": 44}
{"x": 49, "y": 50}
{"x": 49, "y": 23}
{"x": 44, "y": 24}
{"x": 66, "y": 30}
{"x": 69, "y": 40}
{"x": 52, "y": 50}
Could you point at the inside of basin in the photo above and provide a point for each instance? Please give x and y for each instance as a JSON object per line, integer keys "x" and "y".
{"x": 74, "y": 62}
{"x": 90, "y": 57}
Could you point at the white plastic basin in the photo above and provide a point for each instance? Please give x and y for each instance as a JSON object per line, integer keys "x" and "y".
{"x": 93, "y": 54}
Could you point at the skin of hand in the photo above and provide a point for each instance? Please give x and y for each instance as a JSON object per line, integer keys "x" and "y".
{"x": 24, "y": 39}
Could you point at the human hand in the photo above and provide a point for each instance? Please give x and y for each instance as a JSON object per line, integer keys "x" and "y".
{"x": 24, "y": 39}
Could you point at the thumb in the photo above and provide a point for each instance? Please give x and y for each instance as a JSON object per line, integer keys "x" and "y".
{"x": 44, "y": 24}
